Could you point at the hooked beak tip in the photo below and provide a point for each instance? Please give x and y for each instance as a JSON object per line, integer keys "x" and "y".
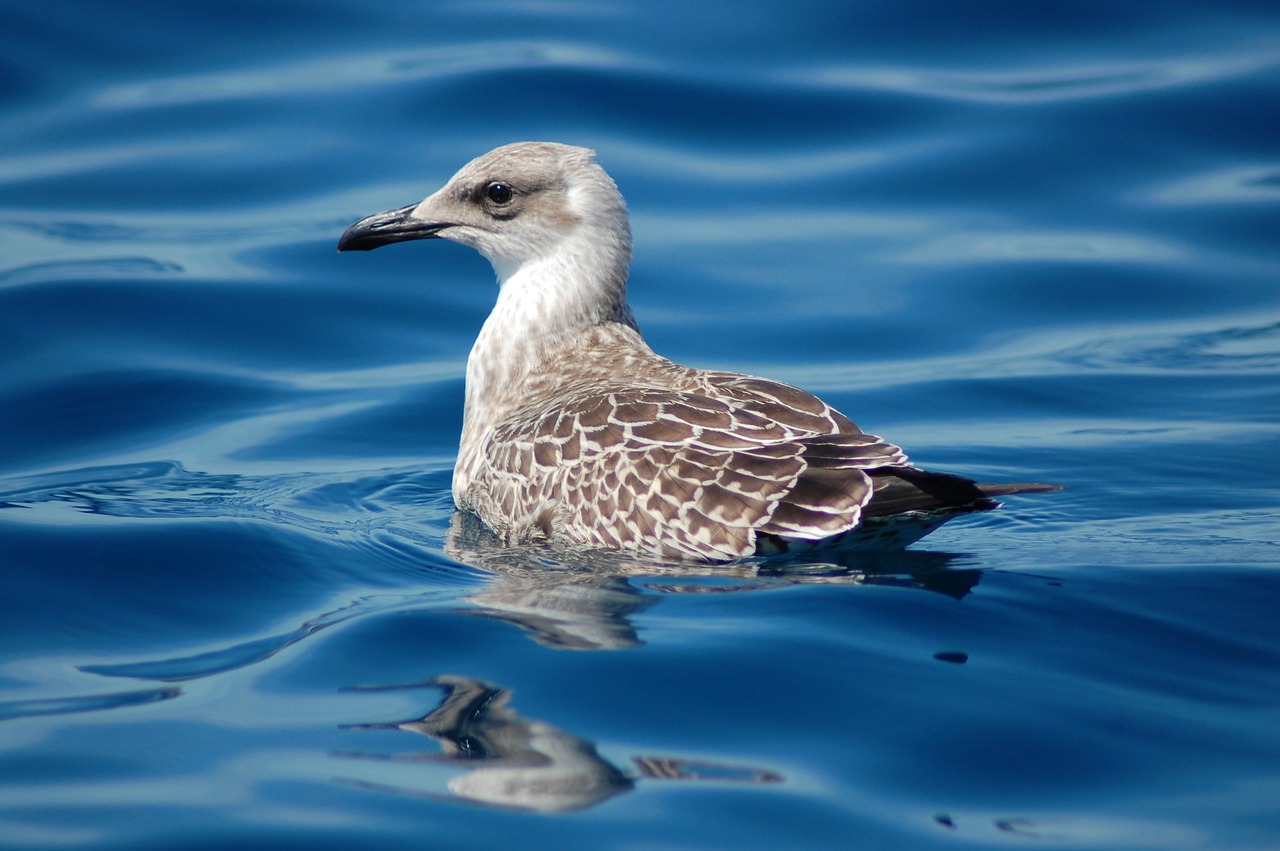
{"x": 385, "y": 228}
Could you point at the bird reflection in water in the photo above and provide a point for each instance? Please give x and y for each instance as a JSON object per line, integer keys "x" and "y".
{"x": 519, "y": 763}
{"x": 587, "y": 599}
{"x": 583, "y": 600}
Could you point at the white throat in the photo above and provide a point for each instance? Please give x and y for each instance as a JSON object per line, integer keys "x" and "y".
{"x": 542, "y": 302}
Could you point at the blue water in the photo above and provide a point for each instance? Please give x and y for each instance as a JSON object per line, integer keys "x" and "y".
{"x": 1025, "y": 241}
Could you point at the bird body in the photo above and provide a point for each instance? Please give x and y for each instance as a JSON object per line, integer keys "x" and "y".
{"x": 576, "y": 432}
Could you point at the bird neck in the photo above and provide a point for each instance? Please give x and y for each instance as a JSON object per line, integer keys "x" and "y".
{"x": 543, "y": 303}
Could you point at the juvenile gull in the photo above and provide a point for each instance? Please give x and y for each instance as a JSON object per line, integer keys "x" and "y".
{"x": 574, "y": 431}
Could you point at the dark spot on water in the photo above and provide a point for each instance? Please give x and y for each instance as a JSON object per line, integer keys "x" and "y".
{"x": 955, "y": 657}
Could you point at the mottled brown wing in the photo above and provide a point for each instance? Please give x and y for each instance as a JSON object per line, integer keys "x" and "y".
{"x": 680, "y": 475}
{"x": 860, "y": 451}
{"x": 796, "y": 409}
{"x": 828, "y": 497}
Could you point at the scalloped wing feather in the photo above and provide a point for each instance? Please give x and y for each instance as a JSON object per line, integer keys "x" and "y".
{"x": 681, "y": 474}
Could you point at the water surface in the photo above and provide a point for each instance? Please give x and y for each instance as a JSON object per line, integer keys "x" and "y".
{"x": 1024, "y": 243}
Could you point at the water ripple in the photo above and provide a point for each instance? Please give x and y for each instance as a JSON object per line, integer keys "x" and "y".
{"x": 275, "y": 225}
{"x": 1258, "y": 184}
{"x": 342, "y": 505}
{"x": 1040, "y": 85}
{"x": 1238, "y": 349}
{"x": 1060, "y": 246}
{"x": 358, "y": 72}
{"x": 222, "y": 660}
{"x": 1245, "y": 349}
{"x": 89, "y": 270}
{"x": 89, "y": 703}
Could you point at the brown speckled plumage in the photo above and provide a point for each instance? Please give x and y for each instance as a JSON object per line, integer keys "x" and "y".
{"x": 576, "y": 432}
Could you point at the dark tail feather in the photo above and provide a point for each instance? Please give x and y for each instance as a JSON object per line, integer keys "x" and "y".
{"x": 1008, "y": 488}
{"x": 902, "y": 489}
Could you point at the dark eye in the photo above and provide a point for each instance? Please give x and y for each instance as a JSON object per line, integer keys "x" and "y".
{"x": 499, "y": 193}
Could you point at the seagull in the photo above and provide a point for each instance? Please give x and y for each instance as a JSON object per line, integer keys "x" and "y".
{"x": 575, "y": 432}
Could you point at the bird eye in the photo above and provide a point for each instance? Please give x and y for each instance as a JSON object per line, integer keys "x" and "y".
{"x": 499, "y": 193}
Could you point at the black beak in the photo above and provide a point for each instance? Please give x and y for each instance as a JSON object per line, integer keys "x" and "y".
{"x": 384, "y": 228}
